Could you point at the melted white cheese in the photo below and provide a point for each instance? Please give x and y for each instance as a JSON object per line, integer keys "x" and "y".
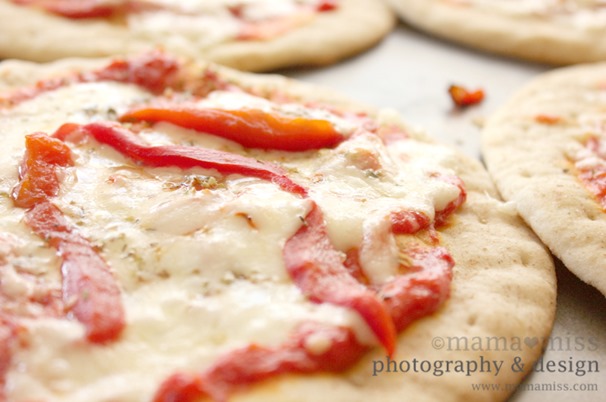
{"x": 201, "y": 269}
{"x": 204, "y": 23}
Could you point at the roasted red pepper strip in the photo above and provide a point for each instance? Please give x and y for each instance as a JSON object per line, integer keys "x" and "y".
{"x": 76, "y": 9}
{"x": 251, "y": 128}
{"x": 421, "y": 291}
{"x": 463, "y": 98}
{"x": 408, "y": 222}
{"x": 442, "y": 215}
{"x": 37, "y": 173}
{"x": 152, "y": 71}
{"x": 327, "y": 5}
{"x": 317, "y": 269}
{"x": 253, "y": 363}
{"x": 127, "y": 143}
{"x": 87, "y": 281}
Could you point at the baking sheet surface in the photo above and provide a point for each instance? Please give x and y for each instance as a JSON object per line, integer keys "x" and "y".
{"x": 410, "y": 72}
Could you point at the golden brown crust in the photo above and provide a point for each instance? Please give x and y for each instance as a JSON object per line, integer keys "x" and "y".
{"x": 30, "y": 34}
{"x": 504, "y": 286}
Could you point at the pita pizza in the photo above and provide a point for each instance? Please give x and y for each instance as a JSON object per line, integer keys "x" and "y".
{"x": 245, "y": 34}
{"x": 546, "y": 150}
{"x": 546, "y": 31}
{"x": 178, "y": 231}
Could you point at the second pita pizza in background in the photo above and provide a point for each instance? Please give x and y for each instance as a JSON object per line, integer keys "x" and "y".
{"x": 254, "y": 35}
{"x": 546, "y": 150}
{"x": 547, "y": 31}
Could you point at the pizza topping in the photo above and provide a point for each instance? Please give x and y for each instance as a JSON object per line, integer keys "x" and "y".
{"x": 407, "y": 297}
{"x": 327, "y": 5}
{"x": 547, "y": 119}
{"x": 254, "y": 363}
{"x": 442, "y": 214}
{"x": 205, "y": 22}
{"x": 88, "y": 285}
{"x": 462, "y": 97}
{"x": 317, "y": 268}
{"x": 39, "y": 181}
{"x": 152, "y": 71}
{"x": 77, "y": 9}
{"x": 249, "y": 127}
{"x": 424, "y": 287}
{"x": 310, "y": 258}
{"x": 591, "y": 168}
{"x": 267, "y": 29}
{"x": 129, "y": 145}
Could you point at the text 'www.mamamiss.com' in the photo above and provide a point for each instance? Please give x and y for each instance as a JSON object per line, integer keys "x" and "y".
{"x": 538, "y": 387}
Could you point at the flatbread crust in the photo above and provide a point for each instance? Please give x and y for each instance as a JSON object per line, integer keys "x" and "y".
{"x": 555, "y": 39}
{"x": 532, "y": 164}
{"x": 30, "y": 34}
{"x": 504, "y": 285}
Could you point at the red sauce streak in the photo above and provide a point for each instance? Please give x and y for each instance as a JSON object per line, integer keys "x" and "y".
{"x": 251, "y": 128}
{"x": 152, "y": 71}
{"x": 463, "y": 97}
{"x": 88, "y": 285}
{"x": 594, "y": 178}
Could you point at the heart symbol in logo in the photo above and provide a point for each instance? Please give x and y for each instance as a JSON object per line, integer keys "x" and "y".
{"x": 531, "y": 342}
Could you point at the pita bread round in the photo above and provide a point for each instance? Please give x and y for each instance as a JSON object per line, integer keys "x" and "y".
{"x": 555, "y": 32}
{"x": 531, "y": 147}
{"x": 31, "y": 34}
{"x": 502, "y": 301}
